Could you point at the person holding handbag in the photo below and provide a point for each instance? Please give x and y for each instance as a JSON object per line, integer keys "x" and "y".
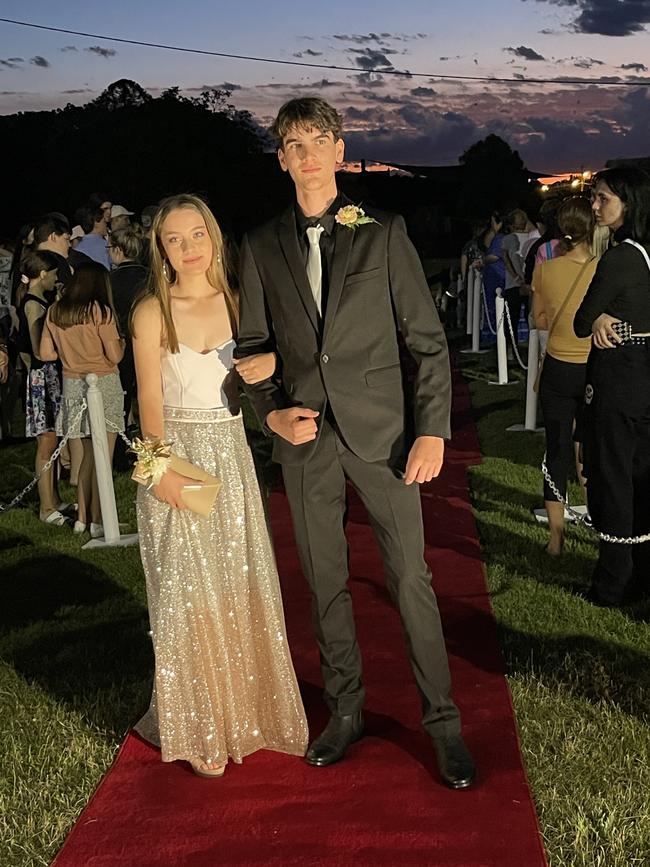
{"x": 224, "y": 683}
{"x": 559, "y": 285}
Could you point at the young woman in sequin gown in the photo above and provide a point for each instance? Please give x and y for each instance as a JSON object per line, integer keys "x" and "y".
{"x": 224, "y": 683}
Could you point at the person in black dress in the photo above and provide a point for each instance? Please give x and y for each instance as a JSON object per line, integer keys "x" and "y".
{"x": 617, "y": 395}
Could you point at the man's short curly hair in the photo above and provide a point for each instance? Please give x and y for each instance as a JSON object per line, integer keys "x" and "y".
{"x": 306, "y": 112}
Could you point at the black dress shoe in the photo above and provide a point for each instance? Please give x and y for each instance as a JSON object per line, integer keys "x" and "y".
{"x": 455, "y": 764}
{"x": 331, "y": 745}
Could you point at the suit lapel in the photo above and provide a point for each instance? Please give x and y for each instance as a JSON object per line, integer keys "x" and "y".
{"x": 343, "y": 239}
{"x": 288, "y": 237}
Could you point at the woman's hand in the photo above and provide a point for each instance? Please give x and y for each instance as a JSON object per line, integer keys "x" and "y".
{"x": 256, "y": 368}
{"x": 169, "y": 489}
{"x": 604, "y": 335}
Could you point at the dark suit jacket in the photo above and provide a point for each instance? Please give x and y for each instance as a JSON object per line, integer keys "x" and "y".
{"x": 351, "y": 359}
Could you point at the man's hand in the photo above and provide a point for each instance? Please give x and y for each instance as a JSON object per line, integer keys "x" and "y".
{"x": 604, "y": 335}
{"x": 296, "y": 425}
{"x": 425, "y": 460}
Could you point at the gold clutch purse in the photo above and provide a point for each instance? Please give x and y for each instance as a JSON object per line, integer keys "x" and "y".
{"x": 200, "y": 497}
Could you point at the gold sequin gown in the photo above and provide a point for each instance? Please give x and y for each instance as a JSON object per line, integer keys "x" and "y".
{"x": 224, "y": 683}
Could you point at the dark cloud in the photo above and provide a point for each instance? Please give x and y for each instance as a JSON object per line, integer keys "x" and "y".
{"x": 69, "y": 48}
{"x": 585, "y": 62}
{"x": 292, "y": 87}
{"x": 384, "y": 98}
{"x": 422, "y": 91}
{"x": 635, "y": 67}
{"x": 11, "y": 62}
{"x": 38, "y": 60}
{"x": 228, "y": 85}
{"x": 78, "y": 90}
{"x": 371, "y": 59}
{"x": 415, "y": 133}
{"x": 434, "y": 137}
{"x": 525, "y": 53}
{"x": 369, "y": 79}
{"x": 607, "y": 17}
{"x": 100, "y": 51}
{"x": 308, "y": 53}
{"x": 360, "y": 39}
{"x": 374, "y": 115}
{"x": 455, "y": 57}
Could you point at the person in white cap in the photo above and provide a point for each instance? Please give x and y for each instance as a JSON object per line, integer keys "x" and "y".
{"x": 120, "y": 217}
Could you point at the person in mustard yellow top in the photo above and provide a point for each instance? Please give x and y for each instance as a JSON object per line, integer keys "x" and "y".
{"x": 559, "y": 285}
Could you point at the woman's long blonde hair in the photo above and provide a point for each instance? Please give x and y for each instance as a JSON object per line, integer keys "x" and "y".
{"x": 162, "y": 276}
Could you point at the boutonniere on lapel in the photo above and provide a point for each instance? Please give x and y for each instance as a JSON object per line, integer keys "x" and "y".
{"x": 352, "y": 216}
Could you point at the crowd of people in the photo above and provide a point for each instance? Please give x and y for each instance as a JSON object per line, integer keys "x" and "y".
{"x": 312, "y": 335}
{"x": 65, "y": 296}
{"x": 586, "y": 268}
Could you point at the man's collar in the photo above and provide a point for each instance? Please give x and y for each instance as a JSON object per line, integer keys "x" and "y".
{"x": 326, "y": 220}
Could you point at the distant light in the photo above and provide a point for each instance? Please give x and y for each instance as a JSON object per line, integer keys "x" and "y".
{"x": 545, "y": 188}
{"x": 575, "y": 183}
{"x": 586, "y": 175}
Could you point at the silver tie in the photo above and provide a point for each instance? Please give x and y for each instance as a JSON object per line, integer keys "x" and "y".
{"x": 314, "y": 268}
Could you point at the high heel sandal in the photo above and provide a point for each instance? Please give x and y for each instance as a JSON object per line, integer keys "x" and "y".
{"x": 201, "y": 769}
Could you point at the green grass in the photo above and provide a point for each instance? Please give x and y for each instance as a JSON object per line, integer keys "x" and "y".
{"x": 579, "y": 675}
{"x": 75, "y": 661}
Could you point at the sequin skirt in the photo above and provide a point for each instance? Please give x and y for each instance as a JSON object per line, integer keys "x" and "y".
{"x": 224, "y": 682}
{"x": 72, "y": 420}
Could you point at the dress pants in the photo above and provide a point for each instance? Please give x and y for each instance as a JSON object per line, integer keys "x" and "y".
{"x": 561, "y": 394}
{"x": 617, "y": 463}
{"x": 317, "y": 497}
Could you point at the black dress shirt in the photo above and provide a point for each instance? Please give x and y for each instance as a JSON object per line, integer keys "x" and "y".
{"x": 328, "y": 223}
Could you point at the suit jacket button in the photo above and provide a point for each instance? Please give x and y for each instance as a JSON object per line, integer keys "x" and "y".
{"x": 325, "y": 359}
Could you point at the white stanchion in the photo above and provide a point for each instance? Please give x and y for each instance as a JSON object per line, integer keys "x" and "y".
{"x": 473, "y": 312}
{"x": 469, "y": 300}
{"x": 104, "y": 471}
{"x": 502, "y": 354}
{"x": 476, "y": 311}
{"x": 530, "y": 415}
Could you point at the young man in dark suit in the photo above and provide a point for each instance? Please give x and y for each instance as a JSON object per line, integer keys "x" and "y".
{"x": 327, "y": 288}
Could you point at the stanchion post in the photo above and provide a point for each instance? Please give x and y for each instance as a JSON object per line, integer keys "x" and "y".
{"x": 502, "y": 354}
{"x": 530, "y": 420}
{"x": 469, "y": 300}
{"x": 476, "y": 311}
{"x": 103, "y": 466}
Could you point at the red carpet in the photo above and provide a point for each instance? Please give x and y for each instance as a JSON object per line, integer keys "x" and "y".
{"x": 383, "y": 805}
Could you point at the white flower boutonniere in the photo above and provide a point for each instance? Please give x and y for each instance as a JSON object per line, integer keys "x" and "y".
{"x": 352, "y": 216}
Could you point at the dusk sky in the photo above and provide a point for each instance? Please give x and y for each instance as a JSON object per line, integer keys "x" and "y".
{"x": 402, "y": 119}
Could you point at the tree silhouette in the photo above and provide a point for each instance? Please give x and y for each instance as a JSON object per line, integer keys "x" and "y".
{"x": 495, "y": 178}
{"x": 122, "y": 94}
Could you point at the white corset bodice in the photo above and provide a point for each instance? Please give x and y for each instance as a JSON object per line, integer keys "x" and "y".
{"x": 198, "y": 380}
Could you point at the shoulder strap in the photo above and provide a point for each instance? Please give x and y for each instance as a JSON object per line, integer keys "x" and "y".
{"x": 640, "y": 247}
{"x": 568, "y": 297}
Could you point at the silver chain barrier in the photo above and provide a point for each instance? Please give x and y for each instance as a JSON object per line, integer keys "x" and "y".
{"x": 512, "y": 337}
{"x": 55, "y": 455}
{"x": 486, "y": 312}
{"x": 585, "y": 520}
{"x": 112, "y": 428}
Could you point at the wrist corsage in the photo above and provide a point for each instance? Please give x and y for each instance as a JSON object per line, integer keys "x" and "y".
{"x": 154, "y": 458}
{"x": 352, "y": 216}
